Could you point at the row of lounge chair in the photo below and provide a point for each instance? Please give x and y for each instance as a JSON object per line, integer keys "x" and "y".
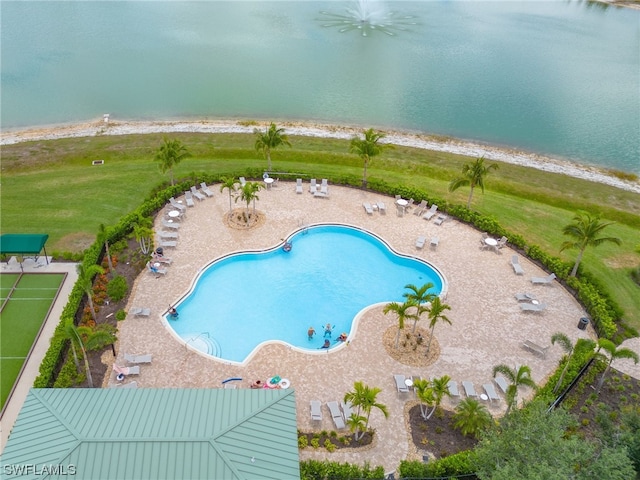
{"x": 402, "y": 386}
{"x": 340, "y": 413}
{"x": 369, "y": 208}
{"x": 320, "y": 191}
{"x": 421, "y": 240}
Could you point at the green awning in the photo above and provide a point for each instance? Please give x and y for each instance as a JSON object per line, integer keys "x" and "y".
{"x": 29, "y": 244}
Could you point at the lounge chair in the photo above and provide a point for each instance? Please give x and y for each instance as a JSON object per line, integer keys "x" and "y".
{"x": 347, "y": 410}
{"x": 133, "y": 384}
{"x": 515, "y": 263}
{"x": 313, "y": 188}
{"x": 336, "y": 415}
{"x": 440, "y": 220}
{"x": 140, "y": 312}
{"x": 420, "y": 208}
{"x": 435, "y": 241}
{"x": 197, "y": 194}
{"x": 135, "y": 370}
{"x": 409, "y": 204}
{"x": 189, "y": 199}
{"x": 137, "y": 358}
{"x": 543, "y": 280}
{"x": 156, "y": 271}
{"x": 169, "y": 244}
{"x": 532, "y": 307}
{"x": 205, "y": 189}
{"x": 469, "y": 390}
{"x": 490, "y": 391}
{"x": 165, "y": 234}
{"x": 524, "y": 297}
{"x": 166, "y": 223}
{"x": 535, "y": 348}
{"x": 502, "y": 242}
{"x": 382, "y": 208}
{"x": 401, "y": 386}
{"x": 324, "y": 189}
{"x": 243, "y": 181}
{"x": 165, "y": 260}
{"x": 367, "y": 208}
{"x": 420, "y": 242}
{"x": 178, "y": 206}
{"x": 316, "y": 411}
{"x": 298, "y": 185}
{"x": 502, "y": 383}
{"x": 428, "y": 215}
{"x": 399, "y": 210}
{"x": 453, "y": 388}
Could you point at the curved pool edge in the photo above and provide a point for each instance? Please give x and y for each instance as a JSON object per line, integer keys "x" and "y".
{"x": 285, "y": 240}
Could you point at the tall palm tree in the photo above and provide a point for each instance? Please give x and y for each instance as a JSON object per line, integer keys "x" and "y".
{"x": 365, "y": 399}
{"x": 436, "y": 315}
{"x": 230, "y": 184}
{"x": 471, "y": 417}
{"x": 104, "y": 237}
{"x": 585, "y": 231}
{"x": 248, "y": 194}
{"x": 473, "y": 175}
{"x": 615, "y": 353}
{"x": 85, "y": 280}
{"x": 272, "y": 137}
{"x": 517, "y": 378}
{"x": 421, "y": 296}
{"x": 170, "y": 154}
{"x": 431, "y": 393}
{"x": 402, "y": 311}
{"x": 367, "y": 148}
{"x": 568, "y": 346}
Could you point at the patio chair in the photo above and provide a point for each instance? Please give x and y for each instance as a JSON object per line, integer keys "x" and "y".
{"x": 490, "y": 391}
{"x": 502, "y": 383}
{"x": 367, "y": 208}
{"x": 336, "y": 415}
{"x": 178, "y": 206}
{"x": 156, "y": 271}
{"x": 189, "y": 199}
{"x": 401, "y": 386}
{"x": 169, "y": 244}
{"x": 166, "y": 223}
{"x": 205, "y": 189}
{"x": 140, "y": 312}
{"x": 382, "y": 208}
{"x": 197, "y": 194}
{"x": 313, "y": 188}
{"x": 165, "y": 234}
{"x": 440, "y": 220}
{"x": 316, "y": 411}
{"x": 420, "y": 208}
{"x": 543, "y": 280}
{"x": 453, "y": 388}
{"x": 298, "y": 185}
{"x": 435, "y": 241}
{"x": 135, "y": 370}
{"x": 428, "y": 215}
{"x": 524, "y": 297}
{"x": 133, "y": 384}
{"x": 243, "y": 181}
{"x": 137, "y": 358}
{"x": 533, "y": 307}
{"x": 347, "y": 410}
{"x": 410, "y": 203}
{"x": 420, "y": 242}
{"x": 469, "y": 390}
{"x": 515, "y": 263}
{"x": 502, "y": 242}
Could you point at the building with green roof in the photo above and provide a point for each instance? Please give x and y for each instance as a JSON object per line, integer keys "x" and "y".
{"x": 150, "y": 433}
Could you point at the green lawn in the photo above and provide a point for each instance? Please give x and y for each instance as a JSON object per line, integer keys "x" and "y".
{"x": 66, "y": 197}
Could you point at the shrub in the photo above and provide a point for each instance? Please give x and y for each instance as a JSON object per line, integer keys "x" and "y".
{"x": 315, "y": 442}
{"x": 117, "y": 288}
{"x": 328, "y": 444}
{"x": 303, "y": 442}
{"x": 121, "y": 315}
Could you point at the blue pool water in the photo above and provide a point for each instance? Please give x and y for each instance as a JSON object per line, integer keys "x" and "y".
{"x": 331, "y": 273}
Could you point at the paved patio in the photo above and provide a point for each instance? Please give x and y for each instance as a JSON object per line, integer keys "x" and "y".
{"x": 487, "y": 328}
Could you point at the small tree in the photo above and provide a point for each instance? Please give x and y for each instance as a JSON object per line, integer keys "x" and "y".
{"x": 367, "y": 148}
{"x": 364, "y": 398}
{"x": 357, "y": 425}
{"x": 567, "y": 346}
{"x": 170, "y": 154}
{"x": 517, "y": 378}
{"x": 473, "y": 175}
{"x": 421, "y": 296}
{"x": 230, "y": 184}
{"x": 143, "y": 233}
{"x": 401, "y": 310}
{"x": 103, "y": 235}
{"x": 272, "y": 137}
{"x": 85, "y": 280}
{"x": 585, "y": 232}
{"x": 615, "y": 353}
{"x": 471, "y": 417}
{"x": 248, "y": 194}
{"x": 436, "y": 315}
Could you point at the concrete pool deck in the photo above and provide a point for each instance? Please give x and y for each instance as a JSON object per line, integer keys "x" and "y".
{"x": 488, "y": 327}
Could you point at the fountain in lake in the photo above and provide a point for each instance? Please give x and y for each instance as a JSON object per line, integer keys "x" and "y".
{"x": 368, "y": 16}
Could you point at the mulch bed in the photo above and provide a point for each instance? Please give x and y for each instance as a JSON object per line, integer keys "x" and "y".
{"x": 339, "y": 441}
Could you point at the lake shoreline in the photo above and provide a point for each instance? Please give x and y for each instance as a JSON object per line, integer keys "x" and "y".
{"x": 310, "y": 129}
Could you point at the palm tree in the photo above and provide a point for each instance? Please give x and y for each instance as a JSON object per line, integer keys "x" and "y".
{"x": 615, "y": 353}
{"x": 568, "y": 346}
{"x": 431, "y": 393}
{"x": 249, "y": 193}
{"x": 436, "y": 315}
{"x": 473, "y": 175}
{"x": 85, "y": 280}
{"x": 143, "y": 233}
{"x": 364, "y": 398}
{"x": 272, "y": 137}
{"x": 517, "y": 378}
{"x": 357, "y": 424}
{"x": 230, "y": 184}
{"x": 367, "y": 148}
{"x": 471, "y": 417}
{"x": 585, "y": 231}
{"x": 170, "y": 154}
{"x": 104, "y": 237}
{"x": 420, "y": 296}
{"x": 401, "y": 310}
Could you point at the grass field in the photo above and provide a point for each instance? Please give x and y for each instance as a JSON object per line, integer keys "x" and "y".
{"x": 26, "y": 300}
{"x": 68, "y": 198}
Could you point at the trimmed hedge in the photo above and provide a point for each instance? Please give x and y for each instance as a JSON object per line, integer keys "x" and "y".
{"x": 459, "y": 464}
{"x": 326, "y": 470}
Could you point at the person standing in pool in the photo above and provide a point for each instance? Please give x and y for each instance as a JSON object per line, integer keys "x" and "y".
{"x": 173, "y": 313}
{"x": 311, "y": 332}
{"x": 327, "y": 344}
{"x": 327, "y": 330}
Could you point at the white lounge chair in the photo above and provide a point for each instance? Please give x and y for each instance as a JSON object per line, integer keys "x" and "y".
{"x": 156, "y": 271}
{"x": 347, "y": 410}
{"x": 166, "y": 223}
{"x": 298, "y": 185}
{"x": 515, "y": 263}
{"x": 165, "y": 234}
{"x": 435, "y": 241}
{"x": 502, "y": 242}
{"x": 164, "y": 260}
{"x": 135, "y": 370}
{"x": 243, "y": 181}
{"x": 420, "y": 242}
{"x": 324, "y": 189}
{"x": 420, "y": 208}
{"x": 178, "y": 206}
{"x": 535, "y": 348}
{"x": 453, "y": 388}
{"x": 313, "y": 188}
{"x": 316, "y": 411}
{"x": 524, "y": 297}
{"x": 133, "y": 384}
{"x": 189, "y": 199}
{"x": 428, "y": 215}
{"x": 169, "y": 244}
{"x": 137, "y": 358}
{"x": 336, "y": 415}
{"x": 532, "y": 307}
{"x": 382, "y": 208}
{"x": 469, "y": 389}
{"x": 440, "y": 220}
{"x": 490, "y": 391}
{"x": 367, "y": 208}
{"x": 205, "y": 189}
{"x": 502, "y": 383}
{"x": 543, "y": 280}
{"x": 197, "y": 194}
{"x": 140, "y": 312}
{"x": 401, "y": 386}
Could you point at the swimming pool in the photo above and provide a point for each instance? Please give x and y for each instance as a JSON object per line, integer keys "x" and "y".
{"x": 330, "y": 274}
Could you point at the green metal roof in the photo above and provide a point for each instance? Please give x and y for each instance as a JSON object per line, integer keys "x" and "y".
{"x": 150, "y": 433}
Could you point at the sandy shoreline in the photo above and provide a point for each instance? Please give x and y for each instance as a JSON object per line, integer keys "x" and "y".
{"x": 531, "y": 160}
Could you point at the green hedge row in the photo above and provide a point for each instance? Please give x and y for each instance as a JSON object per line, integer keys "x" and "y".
{"x": 459, "y": 464}
{"x": 326, "y": 470}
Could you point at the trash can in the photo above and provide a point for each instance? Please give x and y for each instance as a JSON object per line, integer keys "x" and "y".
{"x": 582, "y": 325}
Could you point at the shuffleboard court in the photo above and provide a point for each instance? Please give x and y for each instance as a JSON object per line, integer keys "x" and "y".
{"x": 26, "y": 301}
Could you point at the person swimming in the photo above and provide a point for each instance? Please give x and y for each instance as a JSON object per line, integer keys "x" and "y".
{"x": 342, "y": 338}
{"x": 311, "y": 332}
{"x": 327, "y": 330}
{"x": 327, "y": 344}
